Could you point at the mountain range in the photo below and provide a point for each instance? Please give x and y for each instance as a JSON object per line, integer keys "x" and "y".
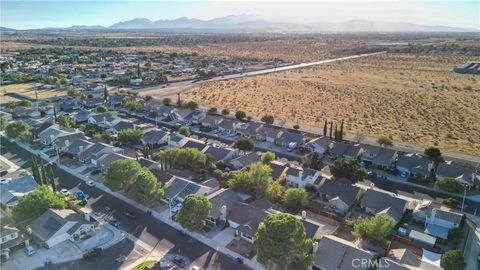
{"x": 252, "y": 23}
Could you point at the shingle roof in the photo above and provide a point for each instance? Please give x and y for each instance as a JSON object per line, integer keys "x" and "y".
{"x": 222, "y": 197}
{"x": 228, "y": 124}
{"x": 218, "y": 153}
{"x": 247, "y": 159}
{"x": 154, "y": 136}
{"x": 270, "y": 132}
{"x": 414, "y": 163}
{"x": 345, "y": 149}
{"x": 52, "y": 220}
{"x": 181, "y": 188}
{"x": 290, "y": 137}
{"x": 74, "y": 147}
{"x": 323, "y": 141}
{"x": 345, "y": 192}
{"x": 247, "y": 216}
{"x": 107, "y": 116}
{"x": 384, "y": 203}
{"x": 195, "y": 144}
{"x": 124, "y": 124}
{"x": 384, "y": 157}
{"x": 16, "y": 188}
{"x": 456, "y": 171}
{"x": 106, "y": 159}
{"x": 278, "y": 169}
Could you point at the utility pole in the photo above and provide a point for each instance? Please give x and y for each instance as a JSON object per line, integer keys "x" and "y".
{"x": 464, "y": 195}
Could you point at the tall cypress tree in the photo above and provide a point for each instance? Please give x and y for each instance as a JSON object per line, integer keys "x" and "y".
{"x": 105, "y": 94}
{"x": 179, "y": 101}
{"x": 43, "y": 175}
{"x": 336, "y": 132}
{"x": 35, "y": 171}
{"x": 52, "y": 180}
{"x": 325, "y": 128}
{"x": 54, "y": 114}
{"x": 331, "y": 129}
{"x": 341, "y": 131}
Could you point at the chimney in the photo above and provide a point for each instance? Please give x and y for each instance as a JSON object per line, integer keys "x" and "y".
{"x": 315, "y": 247}
{"x": 304, "y": 215}
{"x": 434, "y": 214}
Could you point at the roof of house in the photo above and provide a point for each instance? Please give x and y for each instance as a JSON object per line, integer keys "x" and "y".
{"x": 229, "y": 124}
{"x": 165, "y": 109}
{"x": 385, "y": 157}
{"x": 269, "y": 132}
{"x": 154, "y": 136}
{"x": 181, "y": 188}
{"x": 107, "y": 116}
{"x": 345, "y": 149}
{"x": 384, "y": 203}
{"x": 82, "y": 115}
{"x": 53, "y": 131}
{"x": 247, "y": 159}
{"x": 67, "y": 140}
{"x": 106, "y": 159}
{"x": 323, "y": 142}
{"x": 223, "y": 197}
{"x": 212, "y": 120}
{"x": 195, "y": 144}
{"x": 249, "y": 128}
{"x": 337, "y": 189}
{"x": 53, "y": 220}
{"x": 247, "y": 216}
{"x": 124, "y": 124}
{"x": 76, "y": 145}
{"x": 278, "y": 168}
{"x": 16, "y": 188}
{"x": 441, "y": 211}
{"x": 93, "y": 150}
{"x": 93, "y": 101}
{"x": 414, "y": 163}
{"x": 291, "y": 137}
{"x": 336, "y": 253}
{"x": 218, "y": 153}
{"x": 456, "y": 171}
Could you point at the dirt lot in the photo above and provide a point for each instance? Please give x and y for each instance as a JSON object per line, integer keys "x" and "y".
{"x": 28, "y": 89}
{"x": 417, "y": 99}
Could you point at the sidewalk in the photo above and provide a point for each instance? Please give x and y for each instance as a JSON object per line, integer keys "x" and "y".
{"x": 162, "y": 217}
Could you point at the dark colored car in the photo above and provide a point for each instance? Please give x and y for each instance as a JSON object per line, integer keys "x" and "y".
{"x": 179, "y": 261}
{"x": 94, "y": 172}
{"x": 115, "y": 223}
{"x": 92, "y": 253}
{"x": 130, "y": 214}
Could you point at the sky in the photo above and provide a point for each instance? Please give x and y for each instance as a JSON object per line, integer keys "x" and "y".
{"x": 39, "y": 14}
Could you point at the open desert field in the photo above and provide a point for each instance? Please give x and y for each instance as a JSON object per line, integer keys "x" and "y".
{"x": 417, "y": 99}
{"x": 28, "y": 89}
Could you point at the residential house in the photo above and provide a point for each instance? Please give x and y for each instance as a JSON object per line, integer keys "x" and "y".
{"x": 77, "y": 146}
{"x": 93, "y": 102}
{"x": 268, "y": 134}
{"x": 244, "y": 160}
{"x": 122, "y": 124}
{"x": 115, "y": 100}
{"x": 332, "y": 253}
{"x": 249, "y": 129}
{"x": 11, "y": 238}
{"x": 222, "y": 201}
{"x": 438, "y": 219}
{"x": 462, "y": 174}
{"x": 179, "y": 188}
{"x": 303, "y": 177}
{"x": 195, "y": 117}
{"x": 220, "y": 153}
{"x": 279, "y": 170}
{"x": 51, "y": 134}
{"x": 7, "y": 116}
{"x": 405, "y": 259}
{"x": 104, "y": 120}
{"x": 339, "y": 195}
{"x": 245, "y": 218}
{"x": 379, "y": 156}
{"x": 14, "y": 189}
{"x": 177, "y": 140}
{"x": 414, "y": 165}
{"x": 82, "y": 116}
{"x": 164, "y": 110}
{"x": 22, "y": 112}
{"x": 58, "y": 225}
{"x": 92, "y": 153}
{"x": 211, "y": 121}
{"x": 228, "y": 125}
{"x": 68, "y": 105}
{"x": 383, "y": 203}
{"x": 319, "y": 145}
{"x": 181, "y": 115}
{"x": 106, "y": 159}
{"x": 287, "y": 139}
{"x": 346, "y": 150}
{"x": 197, "y": 144}
{"x": 154, "y": 138}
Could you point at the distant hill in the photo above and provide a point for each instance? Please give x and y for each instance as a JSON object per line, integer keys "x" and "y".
{"x": 5, "y": 29}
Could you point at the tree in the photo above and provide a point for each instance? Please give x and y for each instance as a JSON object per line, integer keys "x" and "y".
{"x": 212, "y": 110}
{"x": 450, "y": 202}
{"x": 245, "y": 144}
{"x": 295, "y": 199}
{"x": 103, "y": 76}
{"x": 182, "y": 158}
{"x": 185, "y": 131}
{"x": 296, "y": 127}
{"x": 450, "y": 185}
{"x": 341, "y": 131}
{"x": 325, "y": 128}
{"x": 120, "y": 174}
{"x": 17, "y": 129}
{"x": 268, "y": 156}
{"x": 267, "y": 119}
{"x": 384, "y": 142}
{"x": 72, "y": 91}
{"x": 105, "y": 93}
{"x": 82, "y": 96}
{"x": 36, "y": 171}
{"x": 130, "y": 136}
{"x": 349, "y": 169}
{"x": 331, "y": 129}
{"x": 375, "y": 229}
{"x": 192, "y": 105}
{"x": 145, "y": 188}
{"x": 148, "y": 98}
{"x": 274, "y": 191}
{"x": 253, "y": 180}
{"x": 225, "y": 112}
{"x": 167, "y": 101}
{"x": 282, "y": 243}
{"x": 101, "y": 109}
{"x": 3, "y": 123}
{"x": 452, "y": 260}
{"x": 313, "y": 160}
{"x": 35, "y": 203}
{"x": 336, "y": 132}
{"x": 240, "y": 115}
{"x": 434, "y": 154}
{"x": 132, "y": 105}
{"x": 65, "y": 121}
{"x": 194, "y": 212}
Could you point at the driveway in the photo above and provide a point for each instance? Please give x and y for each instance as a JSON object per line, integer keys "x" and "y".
{"x": 102, "y": 236}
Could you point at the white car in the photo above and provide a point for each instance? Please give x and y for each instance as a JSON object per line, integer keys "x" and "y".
{"x": 65, "y": 192}
{"x": 90, "y": 183}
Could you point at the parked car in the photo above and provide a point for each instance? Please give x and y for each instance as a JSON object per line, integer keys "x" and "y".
{"x": 95, "y": 172}
{"x": 115, "y": 223}
{"x": 92, "y": 253}
{"x": 65, "y": 192}
{"x": 179, "y": 261}
{"x": 30, "y": 250}
{"x": 196, "y": 267}
{"x": 129, "y": 214}
{"x": 90, "y": 183}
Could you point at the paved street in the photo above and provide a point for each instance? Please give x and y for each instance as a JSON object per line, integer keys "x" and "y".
{"x": 149, "y": 231}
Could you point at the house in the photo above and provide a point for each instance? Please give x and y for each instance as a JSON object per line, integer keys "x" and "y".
{"x": 122, "y": 124}
{"x": 58, "y": 225}
{"x": 77, "y": 146}
{"x": 11, "y": 238}
{"x": 177, "y": 140}
{"x": 339, "y": 195}
{"x": 50, "y": 134}
{"x": 379, "y": 156}
{"x": 332, "y": 253}
{"x": 249, "y": 129}
{"x": 268, "y": 134}
{"x": 162, "y": 176}
{"x": 414, "y": 165}
{"x": 164, "y": 110}
{"x": 303, "y": 177}
{"x": 438, "y": 219}
{"x": 106, "y": 159}
{"x": 464, "y": 175}
{"x": 82, "y": 116}
{"x": 13, "y": 190}
{"x": 220, "y": 153}
{"x": 181, "y": 115}
{"x": 319, "y": 145}
{"x": 405, "y": 259}
{"x": 154, "y": 138}
{"x": 279, "y": 170}
{"x": 21, "y": 111}
{"x": 179, "y": 188}
{"x": 290, "y": 138}
{"x": 388, "y": 205}
{"x": 244, "y": 160}
{"x": 7, "y": 116}
{"x": 92, "y": 153}
{"x": 228, "y": 125}
{"x": 211, "y": 121}
{"x": 346, "y": 150}
{"x": 104, "y": 120}
{"x": 195, "y": 117}
{"x": 92, "y": 102}
{"x": 115, "y": 100}
{"x": 68, "y": 105}
{"x": 222, "y": 201}
{"x": 197, "y": 144}
{"x": 245, "y": 218}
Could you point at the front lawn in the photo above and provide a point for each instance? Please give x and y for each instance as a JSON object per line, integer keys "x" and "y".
{"x": 143, "y": 265}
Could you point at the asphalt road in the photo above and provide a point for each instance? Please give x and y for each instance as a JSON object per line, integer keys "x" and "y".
{"x": 146, "y": 228}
